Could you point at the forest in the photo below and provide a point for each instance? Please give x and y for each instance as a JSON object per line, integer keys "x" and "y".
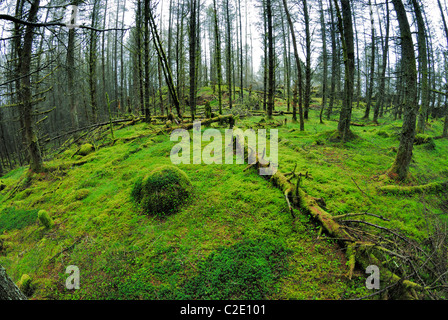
{"x": 100, "y": 201}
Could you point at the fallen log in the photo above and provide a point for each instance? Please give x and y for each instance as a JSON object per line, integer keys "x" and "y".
{"x": 93, "y": 126}
{"x": 357, "y": 251}
{"x": 228, "y": 118}
{"x": 430, "y": 188}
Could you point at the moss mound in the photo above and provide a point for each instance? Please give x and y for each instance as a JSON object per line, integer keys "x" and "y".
{"x": 163, "y": 191}
{"x": 426, "y": 140}
{"x": 26, "y": 285}
{"x": 86, "y": 149}
{"x": 45, "y": 219}
{"x": 383, "y": 134}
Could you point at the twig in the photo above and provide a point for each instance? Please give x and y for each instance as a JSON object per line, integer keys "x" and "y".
{"x": 360, "y": 214}
{"x": 66, "y": 249}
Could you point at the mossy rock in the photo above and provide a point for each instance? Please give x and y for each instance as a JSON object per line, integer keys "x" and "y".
{"x": 45, "y": 219}
{"x": 86, "y": 149}
{"x": 163, "y": 191}
{"x": 26, "y": 285}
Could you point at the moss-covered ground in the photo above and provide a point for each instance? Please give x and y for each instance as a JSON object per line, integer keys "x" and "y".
{"x": 234, "y": 239}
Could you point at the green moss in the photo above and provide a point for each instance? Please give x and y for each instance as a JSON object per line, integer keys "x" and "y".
{"x": 163, "y": 191}
{"x": 132, "y": 256}
{"x": 424, "y": 139}
{"x": 12, "y": 218}
{"x": 246, "y": 270}
{"x": 26, "y": 285}
{"x": 86, "y": 149}
{"x": 383, "y": 133}
{"x": 81, "y": 194}
{"x": 45, "y": 219}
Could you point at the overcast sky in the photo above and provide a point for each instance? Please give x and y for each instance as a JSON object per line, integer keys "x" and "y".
{"x": 254, "y": 17}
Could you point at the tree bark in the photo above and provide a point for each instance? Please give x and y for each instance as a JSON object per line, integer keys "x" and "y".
{"x": 270, "y": 106}
{"x": 334, "y": 62}
{"x": 445, "y": 28}
{"x": 25, "y": 94}
{"x": 70, "y": 75}
{"x": 325, "y": 61}
{"x": 298, "y": 85}
{"x": 218, "y": 56}
{"x": 193, "y": 47}
{"x": 372, "y": 63}
{"x": 381, "y": 98}
{"x": 307, "y": 99}
{"x": 147, "y": 13}
{"x": 92, "y": 66}
{"x": 229, "y": 55}
{"x": 346, "y": 30}
{"x": 423, "y": 66}
{"x": 8, "y": 289}
{"x": 400, "y": 167}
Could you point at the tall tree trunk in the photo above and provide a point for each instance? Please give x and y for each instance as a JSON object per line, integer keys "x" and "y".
{"x": 170, "y": 40}
{"x": 141, "y": 89}
{"x": 298, "y": 85}
{"x": 265, "y": 59}
{"x": 400, "y": 167}
{"x": 334, "y": 62}
{"x": 307, "y": 100}
{"x": 25, "y": 93}
{"x": 241, "y": 52}
{"x": 325, "y": 61}
{"x": 229, "y": 55}
{"x": 346, "y": 30}
{"x": 159, "y": 77}
{"x": 381, "y": 98}
{"x": 423, "y": 66}
{"x": 372, "y": 63}
{"x": 218, "y": 56}
{"x": 358, "y": 64}
{"x": 147, "y": 13}
{"x": 70, "y": 75}
{"x": 286, "y": 67}
{"x": 164, "y": 61}
{"x": 193, "y": 47}
{"x": 445, "y": 29}
{"x": 103, "y": 46}
{"x": 92, "y": 65}
{"x": 270, "y": 105}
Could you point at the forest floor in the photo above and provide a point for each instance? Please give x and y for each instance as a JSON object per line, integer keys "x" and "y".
{"x": 235, "y": 239}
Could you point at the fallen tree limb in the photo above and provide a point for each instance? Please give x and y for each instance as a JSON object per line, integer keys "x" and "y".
{"x": 77, "y": 240}
{"x": 228, "y": 118}
{"x": 429, "y": 188}
{"x": 359, "y": 214}
{"x": 92, "y": 126}
{"x": 356, "y": 251}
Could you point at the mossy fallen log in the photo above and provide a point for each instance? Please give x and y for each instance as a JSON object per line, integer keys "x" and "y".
{"x": 228, "y": 118}
{"x": 430, "y": 188}
{"x": 356, "y": 251}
